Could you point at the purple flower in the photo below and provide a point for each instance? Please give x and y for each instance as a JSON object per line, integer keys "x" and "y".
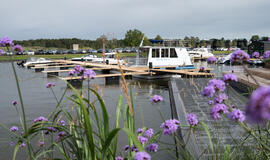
{"x": 61, "y": 134}
{"x": 201, "y": 69}
{"x": 208, "y": 91}
{"x": 11, "y": 143}
{"x": 41, "y": 144}
{"x": 256, "y": 54}
{"x": 63, "y": 123}
{"x": 230, "y": 77}
{"x": 134, "y": 148}
{"x": 210, "y": 102}
{"x": 217, "y": 110}
{"x": 258, "y": 108}
{"x": 170, "y": 126}
{"x": 50, "y": 84}
{"x": 152, "y": 147}
{"x": 89, "y": 73}
{"x": 1, "y": 51}
{"x": 217, "y": 84}
{"x": 14, "y": 102}
{"x": 211, "y": 59}
{"x": 237, "y": 115}
{"x": 266, "y": 54}
{"x": 71, "y": 73}
{"x": 142, "y": 156}
{"x": 268, "y": 38}
{"x": 148, "y": 133}
{"x": 21, "y": 133}
{"x": 126, "y": 147}
{"x": 78, "y": 69}
{"x": 221, "y": 97}
{"x": 39, "y": 119}
{"x": 139, "y": 130}
{"x": 192, "y": 119}
{"x": 22, "y": 145}
{"x": 14, "y": 129}
{"x": 52, "y": 129}
{"x": 157, "y": 98}
{"x": 5, "y": 42}
{"x": 142, "y": 139}
{"x": 119, "y": 158}
{"x": 239, "y": 55}
{"x": 17, "y": 48}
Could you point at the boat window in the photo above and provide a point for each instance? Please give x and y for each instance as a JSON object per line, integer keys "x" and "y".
{"x": 155, "y": 53}
{"x": 172, "y": 53}
{"x": 165, "y": 52}
{"x": 143, "y": 52}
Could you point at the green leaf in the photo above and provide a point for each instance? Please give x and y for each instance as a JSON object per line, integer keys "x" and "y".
{"x": 209, "y": 136}
{"x": 15, "y": 151}
{"x": 108, "y": 141}
{"x": 134, "y": 139}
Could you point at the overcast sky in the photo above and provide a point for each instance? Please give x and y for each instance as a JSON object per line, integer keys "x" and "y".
{"x": 88, "y": 19}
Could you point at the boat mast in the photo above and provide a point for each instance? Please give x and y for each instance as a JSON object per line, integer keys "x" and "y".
{"x": 103, "y": 50}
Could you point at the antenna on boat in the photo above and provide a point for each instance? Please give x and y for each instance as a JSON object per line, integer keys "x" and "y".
{"x": 141, "y": 41}
{"x": 138, "y": 52}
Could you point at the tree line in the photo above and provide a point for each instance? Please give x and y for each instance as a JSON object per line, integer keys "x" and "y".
{"x": 133, "y": 39}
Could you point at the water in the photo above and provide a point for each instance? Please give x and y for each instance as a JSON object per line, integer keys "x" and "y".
{"x": 39, "y": 101}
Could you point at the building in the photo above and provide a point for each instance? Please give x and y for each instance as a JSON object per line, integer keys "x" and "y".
{"x": 75, "y": 47}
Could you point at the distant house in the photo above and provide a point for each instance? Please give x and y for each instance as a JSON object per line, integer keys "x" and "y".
{"x": 75, "y": 47}
{"x": 258, "y": 46}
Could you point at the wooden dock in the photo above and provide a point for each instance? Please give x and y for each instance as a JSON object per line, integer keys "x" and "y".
{"x": 128, "y": 70}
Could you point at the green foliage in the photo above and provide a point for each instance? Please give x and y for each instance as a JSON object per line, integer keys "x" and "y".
{"x": 133, "y": 38}
{"x": 158, "y": 37}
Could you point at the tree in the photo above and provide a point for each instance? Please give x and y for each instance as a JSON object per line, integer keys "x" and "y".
{"x": 133, "y": 38}
{"x": 254, "y": 38}
{"x": 158, "y": 37}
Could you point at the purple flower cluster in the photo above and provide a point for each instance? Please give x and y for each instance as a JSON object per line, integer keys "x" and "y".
{"x": 201, "y": 69}
{"x": 6, "y": 42}
{"x": 239, "y": 55}
{"x": 192, "y": 119}
{"x": 258, "y": 108}
{"x": 230, "y": 77}
{"x": 210, "y": 102}
{"x": 22, "y": 145}
{"x": 71, "y": 73}
{"x": 17, "y": 48}
{"x": 266, "y": 54}
{"x": 14, "y": 102}
{"x": 157, "y": 98}
{"x": 152, "y": 147}
{"x": 41, "y": 144}
{"x": 50, "y": 84}
{"x": 212, "y": 86}
{"x": 255, "y": 54}
{"x": 62, "y": 122}
{"x": 126, "y": 148}
{"x": 89, "y": 73}
{"x": 221, "y": 97}
{"x": 1, "y": 52}
{"x": 119, "y": 158}
{"x": 134, "y": 148}
{"x": 14, "y": 129}
{"x": 211, "y": 59}
{"x": 149, "y": 133}
{"x": 142, "y": 156}
{"x": 237, "y": 115}
{"x": 217, "y": 84}
{"x": 78, "y": 69}
{"x": 40, "y": 119}
{"x": 217, "y": 110}
{"x": 60, "y": 135}
{"x": 142, "y": 139}
{"x": 169, "y": 126}
{"x": 139, "y": 130}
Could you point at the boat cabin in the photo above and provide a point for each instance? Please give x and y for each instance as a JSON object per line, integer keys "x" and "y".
{"x": 153, "y": 56}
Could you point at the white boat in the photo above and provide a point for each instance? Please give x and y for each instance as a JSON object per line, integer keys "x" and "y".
{"x": 110, "y": 58}
{"x": 200, "y": 53}
{"x": 89, "y": 58}
{"x": 35, "y": 60}
{"x": 159, "y": 56}
{"x": 225, "y": 59}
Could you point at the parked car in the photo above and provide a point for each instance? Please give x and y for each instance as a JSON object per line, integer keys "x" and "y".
{"x": 30, "y": 52}
{"x": 94, "y": 51}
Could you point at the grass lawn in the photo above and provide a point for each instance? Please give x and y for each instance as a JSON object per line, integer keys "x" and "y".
{"x": 57, "y": 56}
